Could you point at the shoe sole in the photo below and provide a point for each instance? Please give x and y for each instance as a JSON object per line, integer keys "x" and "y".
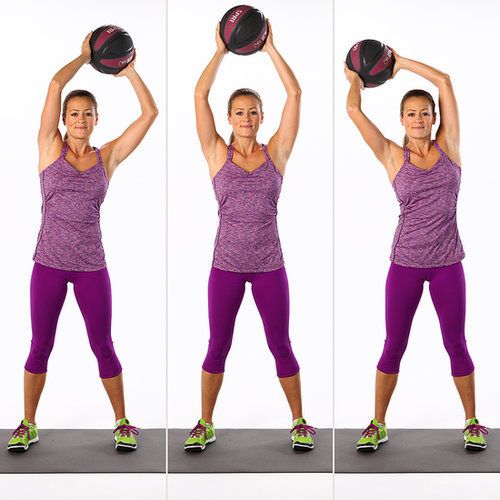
{"x": 195, "y": 448}
{"x": 302, "y": 447}
{"x": 370, "y": 448}
{"x": 124, "y": 446}
{"x": 21, "y": 448}
{"x": 474, "y": 447}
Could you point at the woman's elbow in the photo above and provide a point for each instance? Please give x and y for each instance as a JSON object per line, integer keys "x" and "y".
{"x": 295, "y": 93}
{"x": 352, "y": 110}
{"x": 56, "y": 84}
{"x": 446, "y": 79}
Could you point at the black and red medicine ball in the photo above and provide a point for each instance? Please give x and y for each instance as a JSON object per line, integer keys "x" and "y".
{"x": 244, "y": 30}
{"x": 112, "y": 49}
{"x": 372, "y": 61}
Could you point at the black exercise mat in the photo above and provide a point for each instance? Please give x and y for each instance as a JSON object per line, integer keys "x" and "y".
{"x": 416, "y": 450}
{"x": 249, "y": 450}
{"x": 84, "y": 451}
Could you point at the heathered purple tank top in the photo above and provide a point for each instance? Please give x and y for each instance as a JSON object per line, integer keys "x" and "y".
{"x": 427, "y": 233}
{"x": 247, "y": 239}
{"x": 70, "y": 235}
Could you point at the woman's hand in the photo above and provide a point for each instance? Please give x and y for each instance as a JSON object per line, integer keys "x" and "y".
{"x": 397, "y": 64}
{"x": 352, "y": 76}
{"x": 129, "y": 68}
{"x": 221, "y": 46}
{"x": 269, "y": 40}
{"x": 86, "y": 50}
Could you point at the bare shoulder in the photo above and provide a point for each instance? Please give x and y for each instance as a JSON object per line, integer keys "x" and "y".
{"x": 50, "y": 153}
{"x": 279, "y": 159}
{"x": 216, "y": 162}
{"x": 395, "y": 161}
{"x": 450, "y": 148}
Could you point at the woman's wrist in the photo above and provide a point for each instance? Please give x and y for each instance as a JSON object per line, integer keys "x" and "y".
{"x": 84, "y": 59}
{"x": 271, "y": 49}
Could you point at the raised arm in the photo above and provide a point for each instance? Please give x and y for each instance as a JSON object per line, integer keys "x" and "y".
{"x": 448, "y": 134}
{"x": 212, "y": 144}
{"x": 281, "y": 143}
{"x": 49, "y": 136}
{"x": 114, "y": 152}
{"x": 385, "y": 150}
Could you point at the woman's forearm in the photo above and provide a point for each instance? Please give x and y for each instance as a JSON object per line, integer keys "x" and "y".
{"x": 207, "y": 78}
{"x": 65, "y": 74}
{"x": 438, "y": 78}
{"x": 146, "y": 101}
{"x": 353, "y": 103}
{"x": 285, "y": 73}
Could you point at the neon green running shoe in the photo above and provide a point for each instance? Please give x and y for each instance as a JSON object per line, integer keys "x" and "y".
{"x": 125, "y": 436}
{"x": 372, "y": 436}
{"x": 23, "y": 436}
{"x": 301, "y": 435}
{"x": 474, "y": 435}
{"x": 201, "y": 435}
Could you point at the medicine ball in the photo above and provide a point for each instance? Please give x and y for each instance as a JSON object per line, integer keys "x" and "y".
{"x": 244, "y": 30}
{"x": 112, "y": 49}
{"x": 372, "y": 61}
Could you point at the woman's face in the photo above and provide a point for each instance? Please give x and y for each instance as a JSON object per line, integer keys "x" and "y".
{"x": 246, "y": 116}
{"x": 80, "y": 118}
{"x": 418, "y": 118}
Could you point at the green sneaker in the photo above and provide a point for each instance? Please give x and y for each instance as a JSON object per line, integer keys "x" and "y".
{"x": 200, "y": 436}
{"x": 301, "y": 435}
{"x": 474, "y": 435}
{"x": 23, "y": 436}
{"x": 372, "y": 436}
{"x": 125, "y": 435}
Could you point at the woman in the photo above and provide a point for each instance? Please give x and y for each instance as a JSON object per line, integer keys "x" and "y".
{"x": 74, "y": 178}
{"x": 247, "y": 178}
{"x": 425, "y": 174}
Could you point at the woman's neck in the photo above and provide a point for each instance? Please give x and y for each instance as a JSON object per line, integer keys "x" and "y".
{"x": 79, "y": 147}
{"x": 420, "y": 146}
{"x": 246, "y": 146}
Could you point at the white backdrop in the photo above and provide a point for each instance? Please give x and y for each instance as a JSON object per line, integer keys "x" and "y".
{"x": 251, "y": 395}
{"x": 48, "y": 35}
{"x": 366, "y": 213}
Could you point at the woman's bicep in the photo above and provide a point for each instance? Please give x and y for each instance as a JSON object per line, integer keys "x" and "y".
{"x": 449, "y": 127}
{"x": 205, "y": 127}
{"x": 49, "y": 121}
{"x": 379, "y": 144}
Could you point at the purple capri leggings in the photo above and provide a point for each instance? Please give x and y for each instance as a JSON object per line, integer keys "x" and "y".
{"x": 270, "y": 292}
{"x": 402, "y": 294}
{"x": 93, "y": 294}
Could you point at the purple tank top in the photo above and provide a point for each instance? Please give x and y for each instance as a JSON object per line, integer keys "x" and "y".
{"x": 247, "y": 239}
{"x": 70, "y": 235}
{"x": 427, "y": 232}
